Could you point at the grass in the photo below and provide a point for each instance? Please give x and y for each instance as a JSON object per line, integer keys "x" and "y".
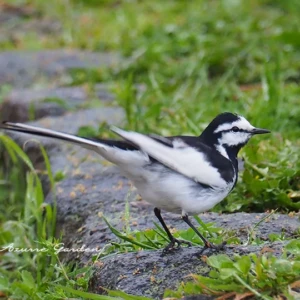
{"x": 184, "y": 62}
{"x": 156, "y": 238}
{"x": 38, "y": 273}
{"x": 261, "y": 276}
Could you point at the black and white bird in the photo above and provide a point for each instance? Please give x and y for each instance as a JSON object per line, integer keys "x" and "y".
{"x": 184, "y": 175}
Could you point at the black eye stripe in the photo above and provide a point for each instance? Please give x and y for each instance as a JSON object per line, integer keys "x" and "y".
{"x": 235, "y": 129}
{"x": 238, "y": 130}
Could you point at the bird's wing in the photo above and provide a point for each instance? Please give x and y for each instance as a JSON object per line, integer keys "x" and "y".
{"x": 181, "y": 157}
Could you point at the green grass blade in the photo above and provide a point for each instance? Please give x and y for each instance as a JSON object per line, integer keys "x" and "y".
{"x": 52, "y": 221}
{"x": 125, "y": 296}
{"x": 151, "y": 242}
{"x": 85, "y": 295}
{"x": 126, "y": 238}
{"x": 11, "y": 147}
{"x": 202, "y": 224}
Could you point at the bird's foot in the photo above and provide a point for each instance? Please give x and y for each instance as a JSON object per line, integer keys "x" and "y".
{"x": 175, "y": 244}
{"x": 212, "y": 247}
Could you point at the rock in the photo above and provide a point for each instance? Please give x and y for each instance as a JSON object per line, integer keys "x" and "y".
{"x": 14, "y": 29}
{"x": 9, "y": 11}
{"x": 83, "y": 198}
{"x": 147, "y": 273}
{"x": 21, "y": 69}
{"x": 199, "y": 297}
{"x": 22, "y": 105}
{"x": 102, "y": 92}
{"x": 17, "y": 22}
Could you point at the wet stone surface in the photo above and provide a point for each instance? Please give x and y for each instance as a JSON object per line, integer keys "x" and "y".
{"x": 22, "y": 68}
{"x": 22, "y": 105}
{"x": 148, "y": 273}
{"x": 16, "y": 21}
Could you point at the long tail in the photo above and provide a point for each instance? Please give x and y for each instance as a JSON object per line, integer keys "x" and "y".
{"x": 18, "y": 127}
{"x": 117, "y": 152}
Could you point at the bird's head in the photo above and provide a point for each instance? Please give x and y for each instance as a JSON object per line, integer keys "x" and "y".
{"x": 229, "y": 132}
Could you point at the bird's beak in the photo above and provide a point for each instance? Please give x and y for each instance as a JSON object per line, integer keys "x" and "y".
{"x": 259, "y": 131}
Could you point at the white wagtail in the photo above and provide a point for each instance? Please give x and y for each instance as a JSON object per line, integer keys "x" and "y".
{"x": 185, "y": 175}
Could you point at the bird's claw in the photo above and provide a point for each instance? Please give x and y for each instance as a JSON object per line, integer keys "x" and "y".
{"x": 175, "y": 244}
{"x": 213, "y": 247}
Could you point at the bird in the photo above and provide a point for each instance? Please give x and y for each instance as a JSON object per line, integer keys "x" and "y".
{"x": 184, "y": 175}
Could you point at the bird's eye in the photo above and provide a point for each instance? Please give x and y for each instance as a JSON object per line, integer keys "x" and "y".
{"x": 235, "y": 129}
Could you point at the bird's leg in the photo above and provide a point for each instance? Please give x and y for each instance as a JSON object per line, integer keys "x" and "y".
{"x": 207, "y": 244}
{"x": 174, "y": 243}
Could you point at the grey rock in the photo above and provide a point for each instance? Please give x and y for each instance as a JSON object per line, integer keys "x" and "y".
{"x": 82, "y": 199}
{"x": 41, "y": 26}
{"x": 13, "y": 28}
{"x": 147, "y": 273}
{"x": 102, "y": 92}
{"x": 21, "y": 69}
{"x": 16, "y": 21}
{"x": 9, "y": 11}
{"x": 22, "y": 105}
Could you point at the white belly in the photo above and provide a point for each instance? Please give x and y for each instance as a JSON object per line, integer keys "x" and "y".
{"x": 176, "y": 193}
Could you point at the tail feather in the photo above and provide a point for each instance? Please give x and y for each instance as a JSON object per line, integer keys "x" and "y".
{"x": 117, "y": 152}
{"x": 43, "y": 132}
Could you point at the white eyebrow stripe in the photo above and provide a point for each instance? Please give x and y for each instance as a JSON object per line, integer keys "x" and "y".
{"x": 242, "y": 123}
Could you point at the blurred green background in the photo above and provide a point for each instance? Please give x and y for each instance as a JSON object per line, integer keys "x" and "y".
{"x": 183, "y": 62}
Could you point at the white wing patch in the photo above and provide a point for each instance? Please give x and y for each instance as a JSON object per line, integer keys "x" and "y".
{"x": 242, "y": 123}
{"x": 127, "y": 159}
{"x": 182, "y": 158}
